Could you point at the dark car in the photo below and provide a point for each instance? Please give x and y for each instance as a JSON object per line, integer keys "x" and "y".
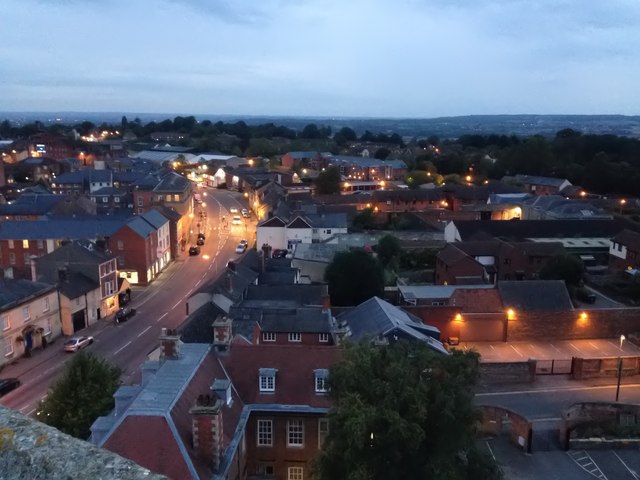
{"x": 194, "y": 250}
{"x": 8, "y": 384}
{"x": 278, "y": 253}
{"x": 125, "y": 314}
{"x": 200, "y": 241}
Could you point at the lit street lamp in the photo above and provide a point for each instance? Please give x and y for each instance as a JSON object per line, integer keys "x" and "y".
{"x": 622, "y": 339}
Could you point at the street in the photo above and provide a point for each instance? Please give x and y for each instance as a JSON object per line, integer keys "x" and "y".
{"x": 161, "y": 304}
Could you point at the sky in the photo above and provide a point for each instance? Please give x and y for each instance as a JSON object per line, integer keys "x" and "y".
{"x": 332, "y": 58}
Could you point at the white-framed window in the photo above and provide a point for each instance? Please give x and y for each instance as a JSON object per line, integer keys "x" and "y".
{"x": 324, "y": 338}
{"x": 109, "y": 287}
{"x": 25, "y": 244}
{"x": 295, "y": 337}
{"x": 268, "y": 336}
{"x": 8, "y": 346}
{"x": 26, "y": 313}
{"x": 268, "y": 380}
{"x": 295, "y": 473}
{"x": 321, "y": 375}
{"x": 10, "y": 243}
{"x": 45, "y": 304}
{"x": 323, "y": 430}
{"x": 47, "y": 327}
{"x": 116, "y": 199}
{"x": 295, "y": 433}
{"x": 140, "y": 201}
{"x": 105, "y": 199}
{"x": 6, "y": 324}
{"x": 265, "y": 433}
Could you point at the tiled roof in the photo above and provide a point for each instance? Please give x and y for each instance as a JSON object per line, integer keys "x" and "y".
{"x": 535, "y": 295}
{"x": 13, "y": 292}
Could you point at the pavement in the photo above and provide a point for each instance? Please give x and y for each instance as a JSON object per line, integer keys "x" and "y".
{"x": 551, "y": 350}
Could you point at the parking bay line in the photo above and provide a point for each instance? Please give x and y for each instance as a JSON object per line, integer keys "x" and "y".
{"x": 161, "y": 317}
{"x": 516, "y": 350}
{"x": 122, "y": 348}
{"x": 144, "y": 331}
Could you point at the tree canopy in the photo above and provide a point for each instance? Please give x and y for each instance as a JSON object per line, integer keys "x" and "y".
{"x": 354, "y": 277}
{"x": 83, "y": 393}
{"x": 402, "y": 411}
{"x": 328, "y": 182}
{"x": 388, "y": 249}
{"x": 563, "y": 267}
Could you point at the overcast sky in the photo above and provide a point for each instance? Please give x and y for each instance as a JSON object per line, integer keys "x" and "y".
{"x": 398, "y": 58}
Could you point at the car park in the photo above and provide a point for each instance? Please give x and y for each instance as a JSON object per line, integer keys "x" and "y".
{"x": 194, "y": 250}
{"x": 124, "y": 314}
{"x": 8, "y": 384}
{"x": 241, "y": 248}
{"x": 236, "y": 220}
{"x": 76, "y": 343}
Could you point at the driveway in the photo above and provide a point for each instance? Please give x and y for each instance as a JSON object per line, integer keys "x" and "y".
{"x": 550, "y": 350}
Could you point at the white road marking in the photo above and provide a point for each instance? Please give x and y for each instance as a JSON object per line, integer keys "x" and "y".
{"x": 31, "y": 411}
{"x": 516, "y": 350}
{"x": 632, "y": 472}
{"x": 122, "y": 348}
{"x": 572, "y": 345}
{"x": 491, "y": 451}
{"x": 176, "y": 305}
{"x": 492, "y": 347}
{"x": 161, "y": 317}
{"x": 555, "y": 348}
{"x": 144, "y": 331}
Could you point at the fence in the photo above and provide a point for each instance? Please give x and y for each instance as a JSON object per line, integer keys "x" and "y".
{"x": 554, "y": 367}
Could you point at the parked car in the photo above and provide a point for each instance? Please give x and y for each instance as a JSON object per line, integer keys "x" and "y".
{"x": 233, "y": 210}
{"x": 279, "y": 253}
{"x": 194, "y": 250}
{"x": 76, "y": 343}
{"x": 245, "y": 213}
{"x": 201, "y": 235}
{"x": 236, "y": 220}
{"x": 244, "y": 242}
{"x": 8, "y": 384}
{"x": 125, "y": 314}
{"x": 200, "y": 241}
{"x": 241, "y": 248}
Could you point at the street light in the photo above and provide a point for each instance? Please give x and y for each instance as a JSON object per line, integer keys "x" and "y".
{"x": 622, "y": 339}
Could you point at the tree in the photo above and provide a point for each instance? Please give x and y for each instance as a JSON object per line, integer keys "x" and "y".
{"x": 364, "y": 220}
{"x": 328, "y": 182}
{"x": 382, "y": 153}
{"x": 83, "y": 393}
{"x": 563, "y": 267}
{"x": 388, "y": 249}
{"x": 402, "y": 411}
{"x": 354, "y": 277}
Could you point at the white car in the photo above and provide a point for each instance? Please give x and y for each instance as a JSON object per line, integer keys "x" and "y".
{"x": 76, "y": 343}
{"x": 233, "y": 210}
{"x": 241, "y": 248}
{"x": 236, "y": 220}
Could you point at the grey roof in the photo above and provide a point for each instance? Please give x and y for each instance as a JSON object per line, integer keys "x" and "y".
{"x": 375, "y": 317}
{"x": 328, "y": 220}
{"x": 76, "y": 285}
{"x": 547, "y": 181}
{"x": 71, "y": 177}
{"x": 535, "y": 295}
{"x": 301, "y": 155}
{"x": 14, "y": 292}
{"x": 31, "y": 204}
{"x": 172, "y": 182}
{"x": 155, "y": 218}
{"x": 365, "y": 162}
{"x": 142, "y": 228}
{"x": 100, "y": 175}
{"x": 304, "y": 320}
{"x": 80, "y": 227}
{"x": 108, "y": 191}
{"x": 198, "y": 328}
{"x": 75, "y": 258}
{"x": 434, "y": 291}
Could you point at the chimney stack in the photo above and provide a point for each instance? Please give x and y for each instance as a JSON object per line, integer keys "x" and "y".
{"x": 206, "y": 428}
{"x": 266, "y": 253}
{"x": 169, "y": 344}
{"x": 222, "y": 333}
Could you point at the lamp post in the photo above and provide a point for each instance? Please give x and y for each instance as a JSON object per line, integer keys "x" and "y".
{"x": 622, "y": 339}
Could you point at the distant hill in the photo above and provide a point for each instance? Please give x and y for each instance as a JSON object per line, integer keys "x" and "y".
{"x": 444, "y": 127}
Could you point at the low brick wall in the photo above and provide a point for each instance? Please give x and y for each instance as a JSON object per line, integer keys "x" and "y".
{"x": 603, "y": 443}
{"x": 492, "y": 373}
{"x": 495, "y": 419}
{"x": 584, "y": 368}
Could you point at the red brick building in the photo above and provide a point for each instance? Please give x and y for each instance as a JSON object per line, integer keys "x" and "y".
{"x": 624, "y": 252}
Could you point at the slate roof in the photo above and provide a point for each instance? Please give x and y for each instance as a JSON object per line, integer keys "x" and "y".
{"x": 77, "y": 177}
{"x": 172, "y": 182}
{"x": 142, "y": 228}
{"x": 299, "y": 222}
{"x": 452, "y": 254}
{"x": 375, "y": 317}
{"x": 31, "y": 204}
{"x": 302, "y": 155}
{"x": 535, "y": 295}
{"x": 155, "y": 218}
{"x": 535, "y": 180}
{"x": 76, "y": 285}
{"x": 629, "y": 239}
{"x": 108, "y": 191}
{"x": 522, "y": 229}
{"x": 100, "y": 176}
{"x": 426, "y": 292}
{"x": 80, "y": 227}
{"x": 272, "y": 222}
{"x": 14, "y": 292}
{"x": 304, "y": 320}
{"x": 198, "y": 327}
{"x": 76, "y": 258}
{"x": 328, "y": 220}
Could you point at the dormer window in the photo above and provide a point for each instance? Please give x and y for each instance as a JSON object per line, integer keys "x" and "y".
{"x": 321, "y": 376}
{"x": 268, "y": 380}
{"x": 295, "y": 337}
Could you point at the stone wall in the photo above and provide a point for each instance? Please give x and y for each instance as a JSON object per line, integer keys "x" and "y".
{"x": 507, "y": 372}
{"x": 30, "y": 449}
{"x": 574, "y": 324}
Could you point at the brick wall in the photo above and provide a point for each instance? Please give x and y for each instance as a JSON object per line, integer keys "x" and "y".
{"x": 574, "y": 324}
{"x": 507, "y": 372}
{"x": 584, "y": 368}
{"x": 494, "y": 418}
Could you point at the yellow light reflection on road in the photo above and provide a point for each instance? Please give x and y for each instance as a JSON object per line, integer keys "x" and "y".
{"x": 206, "y": 257}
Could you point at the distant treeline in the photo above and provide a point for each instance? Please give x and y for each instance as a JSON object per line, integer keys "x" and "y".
{"x": 600, "y": 163}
